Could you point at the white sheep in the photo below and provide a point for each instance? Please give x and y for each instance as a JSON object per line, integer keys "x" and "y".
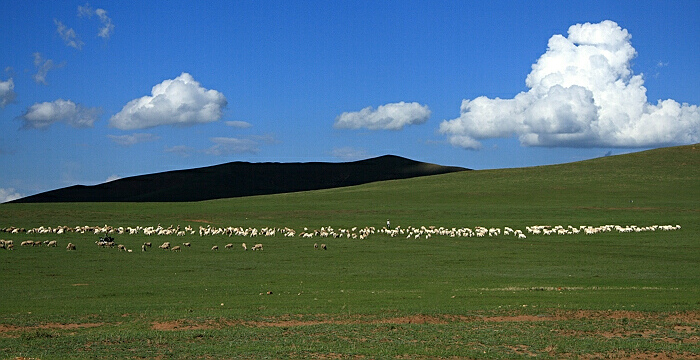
{"x": 244, "y": 247}
{"x": 175, "y": 248}
{"x": 229, "y": 246}
{"x": 70, "y": 247}
{"x": 215, "y": 247}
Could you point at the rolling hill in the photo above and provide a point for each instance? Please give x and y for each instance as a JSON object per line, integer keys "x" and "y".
{"x": 239, "y": 179}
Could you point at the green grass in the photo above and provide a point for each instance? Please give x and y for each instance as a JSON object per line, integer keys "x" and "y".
{"x": 556, "y": 296}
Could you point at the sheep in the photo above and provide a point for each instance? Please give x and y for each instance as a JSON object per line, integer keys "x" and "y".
{"x": 187, "y": 244}
{"x": 148, "y": 244}
{"x": 70, "y": 247}
{"x": 215, "y": 247}
{"x": 316, "y": 246}
{"x": 52, "y": 243}
{"x": 121, "y": 247}
{"x": 324, "y": 247}
{"x": 27, "y": 243}
{"x": 10, "y": 246}
{"x": 229, "y": 246}
{"x": 245, "y": 248}
{"x": 257, "y": 247}
{"x": 165, "y": 246}
{"x": 175, "y": 248}
{"x": 143, "y": 247}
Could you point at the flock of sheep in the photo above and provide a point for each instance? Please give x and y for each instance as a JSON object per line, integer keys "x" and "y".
{"x": 409, "y": 232}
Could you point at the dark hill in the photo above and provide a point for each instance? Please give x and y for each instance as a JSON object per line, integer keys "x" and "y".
{"x": 237, "y": 179}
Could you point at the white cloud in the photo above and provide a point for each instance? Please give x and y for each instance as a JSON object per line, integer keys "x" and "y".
{"x": 238, "y": 124}
{"x": 107, "y": 27}
{"x": 68, "y": 35}
{"x": 128, "y": 140}
{"x": 43, "y": 67}
{"x": 583, "y": 93}
{"x": 7, "y": 93}
{"x": 349, "y": 153}
{"x": 112, "y": 178}
{"x": 9, "y": 195}
{"x": 393, "y": 116}
{"x": 42, "y": 115}
{"x": 181, "y": 101}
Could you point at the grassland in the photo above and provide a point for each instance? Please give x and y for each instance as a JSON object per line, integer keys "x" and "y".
{"x": 615, "y": 294}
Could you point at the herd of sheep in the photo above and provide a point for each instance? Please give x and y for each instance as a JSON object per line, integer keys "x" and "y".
{"x": 409, "y": 232}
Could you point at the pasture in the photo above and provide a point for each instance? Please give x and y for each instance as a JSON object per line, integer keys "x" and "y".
{"x": 611, "y": 294}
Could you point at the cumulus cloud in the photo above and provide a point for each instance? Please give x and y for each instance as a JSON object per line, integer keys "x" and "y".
{"x": 393, "y": 116}
{"x": 42, "y": 115}
{"x": 348, "y": 153}
{"x": 7, "y": 93}
{"x": 181, "y": 101}
{"x": 238, "y": 124}
{"x": 107, "y": 27}
{"x": 43, "y": 67}
{"x": 128, "y": 140}
{"x": 9, "y": 195}
{"x": 68, "y": 35}
{"x": 583, "y": 93}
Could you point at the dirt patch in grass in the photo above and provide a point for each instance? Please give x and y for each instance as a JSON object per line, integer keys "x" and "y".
{"x": 641, "y": 356}
{"x": 199, "y": 221}
{"x": 12, "y": 331}
{"x": 321, "y": 319}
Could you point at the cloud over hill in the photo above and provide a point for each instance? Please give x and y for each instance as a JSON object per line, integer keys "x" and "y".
{"x": 583, "y": 93}
{"x": 180, "y": 101}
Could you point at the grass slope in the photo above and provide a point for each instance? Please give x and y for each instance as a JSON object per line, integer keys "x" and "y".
{"x": 237, "y": 179}
{"x": 621, "y": 295}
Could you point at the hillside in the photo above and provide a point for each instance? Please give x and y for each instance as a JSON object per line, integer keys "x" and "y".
{"x": 239, "y": 179}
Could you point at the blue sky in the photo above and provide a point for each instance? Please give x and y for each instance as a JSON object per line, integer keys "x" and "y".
{"x": 96, "y": 91}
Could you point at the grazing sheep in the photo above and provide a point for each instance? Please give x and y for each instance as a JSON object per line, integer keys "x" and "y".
{"x": 244, "y": 247}
{"x": 165, "y": 246}
{"x": 70, "y": 247}
{"x": 121, "y": 247}
{"x": 257, "y": 247}
{"x": 316, "y": 246}
{"x": 10, "y": 246}
{"x": 175, "y": 248}
{"x": 52, "y": 243}
{"x": 229, "y": 246}
{"x": 324, "y": 247}
{"x": 187, "y": 244}
{"x": 37, "y": 243}
{"x": 148, "y": 244}
{"x": 27, "y": 243}
{"x": 215, "y": 247}
{"x": 143, "y": 247}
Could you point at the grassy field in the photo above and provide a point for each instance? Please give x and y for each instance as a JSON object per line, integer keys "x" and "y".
{"x": 620, "y": 295}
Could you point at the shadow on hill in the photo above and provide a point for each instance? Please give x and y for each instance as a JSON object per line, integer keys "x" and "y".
{"x": 237, "y": 179}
